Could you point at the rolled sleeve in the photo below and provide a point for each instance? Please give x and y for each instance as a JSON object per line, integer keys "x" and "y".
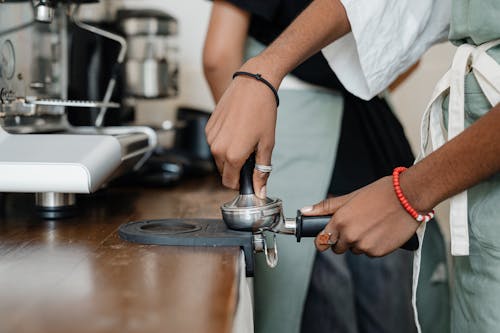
{"x": 387, "y": 37}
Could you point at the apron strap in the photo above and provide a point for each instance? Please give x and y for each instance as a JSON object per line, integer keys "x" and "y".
{"x": 434, "y": 135}
{"x": 459, "y": 229}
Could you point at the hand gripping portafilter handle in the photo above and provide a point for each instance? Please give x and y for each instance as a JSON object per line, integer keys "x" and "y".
{"x": 246, "y": 176}
{"x": 311, "y": 226}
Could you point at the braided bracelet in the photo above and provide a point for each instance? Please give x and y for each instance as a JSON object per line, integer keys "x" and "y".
{"x": 404, "y": 202}
{"x": 259, "y": 77}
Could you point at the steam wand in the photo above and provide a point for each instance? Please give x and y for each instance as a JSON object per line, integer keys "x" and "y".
{"x": 121, "y": 57}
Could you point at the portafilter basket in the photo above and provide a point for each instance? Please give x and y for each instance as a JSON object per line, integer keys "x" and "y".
{"x": 248, "y": 212}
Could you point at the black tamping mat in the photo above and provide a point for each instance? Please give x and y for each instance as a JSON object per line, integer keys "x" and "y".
{"x": 189, "y": 232}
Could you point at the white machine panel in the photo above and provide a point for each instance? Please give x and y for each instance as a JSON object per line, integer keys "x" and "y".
{"x": 56, "y": 163}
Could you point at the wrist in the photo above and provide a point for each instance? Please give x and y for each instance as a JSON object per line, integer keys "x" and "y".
{"x": 418, "y": 193}
{"x": 418, "y": 215}
{"x": 269, "y": 69}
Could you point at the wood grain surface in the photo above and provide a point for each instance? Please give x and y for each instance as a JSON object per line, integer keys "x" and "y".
{"x": 77, "y": 275}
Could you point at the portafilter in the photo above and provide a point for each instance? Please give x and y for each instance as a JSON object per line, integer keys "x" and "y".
{"x": 248, "y": 212}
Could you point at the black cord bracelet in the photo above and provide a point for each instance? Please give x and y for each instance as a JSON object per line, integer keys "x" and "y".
{"x": 259, "y": 77}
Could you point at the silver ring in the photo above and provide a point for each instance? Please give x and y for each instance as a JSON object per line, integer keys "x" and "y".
{"x": 263, "y": 168}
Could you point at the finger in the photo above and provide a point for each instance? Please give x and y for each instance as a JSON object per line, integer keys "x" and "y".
{"x": 326, "y": 207}
{"x": 230, "y": 176}
{"x": 216, "y": 148}
{"x": 231, "y": 170}
{"x": 262, "y": 156}
{"x": 340, "y": 247}
{"x": 212, "y": 131}
{"x": 212, "y": 121}
{"x": 259, "y": 183}
{"x": 356, "y": 251}
{"x": 218, "y": 155}
{"x": 220, "y": 166}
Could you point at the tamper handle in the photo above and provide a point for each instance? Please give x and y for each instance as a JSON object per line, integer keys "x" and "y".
{"x": 311, "y": 226}
{"x": 246, "y": 176}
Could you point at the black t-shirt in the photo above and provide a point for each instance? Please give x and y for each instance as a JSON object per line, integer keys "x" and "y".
{"x": 268, "y": 20}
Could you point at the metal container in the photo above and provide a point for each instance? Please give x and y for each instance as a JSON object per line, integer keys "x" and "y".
{"x": 151, "y": 68}
{"x": 247, "y": 212}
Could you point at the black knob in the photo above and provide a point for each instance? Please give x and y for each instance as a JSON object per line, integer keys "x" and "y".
{"x": 246, "y": 176}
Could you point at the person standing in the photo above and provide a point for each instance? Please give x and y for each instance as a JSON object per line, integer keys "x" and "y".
{"x": 303, "y": 158}
{"x": 313, "y": 95}
{"x": 464, "y": 153}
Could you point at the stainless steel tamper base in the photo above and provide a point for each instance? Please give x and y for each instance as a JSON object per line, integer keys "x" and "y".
{"x": 247, "y": 212}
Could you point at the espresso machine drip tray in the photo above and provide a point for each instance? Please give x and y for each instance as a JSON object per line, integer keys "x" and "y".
{"x": 189, "y": 232}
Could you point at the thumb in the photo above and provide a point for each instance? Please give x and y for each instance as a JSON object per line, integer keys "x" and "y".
{"x": 262, "y": 157}
{"x": 326, "y": 207}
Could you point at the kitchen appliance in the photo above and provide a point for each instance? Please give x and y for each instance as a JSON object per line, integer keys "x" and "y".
{"x": 40, "y": 152}
{"x": 146, "y": 41}
{"x": 151, "y": 67}
{"x": 246, "y": 219}
{"x": 190, "y": 146}
{"x": 190, "y": 156}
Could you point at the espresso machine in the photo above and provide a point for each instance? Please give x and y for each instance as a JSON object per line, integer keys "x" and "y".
{"x": 40, "y": 151}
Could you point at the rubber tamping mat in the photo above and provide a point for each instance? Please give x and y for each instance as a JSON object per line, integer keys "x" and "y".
{"x": 189, "y": 232}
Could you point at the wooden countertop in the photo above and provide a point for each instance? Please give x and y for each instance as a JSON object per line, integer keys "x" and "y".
{"x": 77, "y": 275}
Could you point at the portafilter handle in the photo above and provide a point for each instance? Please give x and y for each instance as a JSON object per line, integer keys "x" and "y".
{"x": 246, "y": 176}
{"x": 311, "y": 226}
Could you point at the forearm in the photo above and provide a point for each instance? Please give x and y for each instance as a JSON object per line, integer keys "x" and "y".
{"x": 321, "y": 23}
{"x": 224, "y": 45}
{"x": 463, "y": 162}
{"x": 219, "y": 77}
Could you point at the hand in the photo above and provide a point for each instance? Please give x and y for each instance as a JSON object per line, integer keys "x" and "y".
{"x": 370, "y": 220}
{"x": 244, "y": 121}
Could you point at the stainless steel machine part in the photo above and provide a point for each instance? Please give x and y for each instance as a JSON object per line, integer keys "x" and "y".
{"x": 151, "y": 66}
{"x": 147, "y": 78}
{"x": 53, "y": 205}
{"x": 121, "y": 57}
{"x": 54, "y": 199}
{"x": 44, "y": 11}
{"x": 80, "y": 104}
{"x": 247, "y": 212}
{"x": 271, "y": 253}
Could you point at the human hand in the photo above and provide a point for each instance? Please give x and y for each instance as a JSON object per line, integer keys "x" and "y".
{"x": 244, "y": 121}
{"x": 370, "y": 220}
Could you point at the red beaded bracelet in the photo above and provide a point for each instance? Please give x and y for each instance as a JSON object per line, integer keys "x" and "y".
{"x": 404, "y": 202}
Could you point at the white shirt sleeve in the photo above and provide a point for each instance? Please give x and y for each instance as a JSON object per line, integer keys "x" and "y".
{"x": 387, "y": 37}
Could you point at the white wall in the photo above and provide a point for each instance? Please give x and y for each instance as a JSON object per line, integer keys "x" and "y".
{"x": 411, "y": 97}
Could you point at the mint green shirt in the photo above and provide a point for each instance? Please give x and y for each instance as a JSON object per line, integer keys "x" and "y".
{"x": 475, "y": 21}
